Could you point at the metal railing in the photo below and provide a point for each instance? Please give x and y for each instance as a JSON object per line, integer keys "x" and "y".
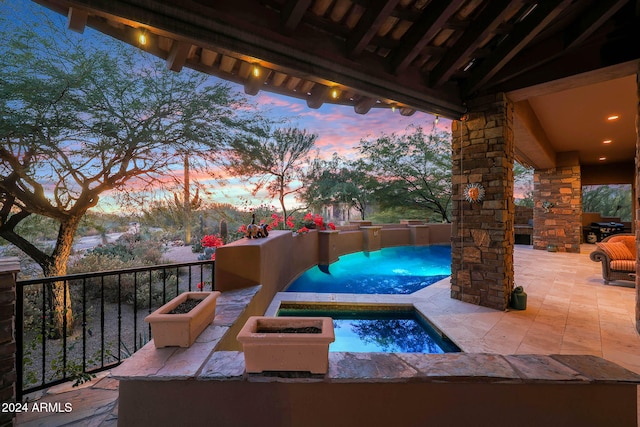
{"x": 70, "y": 327}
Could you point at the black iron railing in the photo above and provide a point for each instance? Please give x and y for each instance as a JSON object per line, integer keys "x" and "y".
{"x": 70, "y": 327}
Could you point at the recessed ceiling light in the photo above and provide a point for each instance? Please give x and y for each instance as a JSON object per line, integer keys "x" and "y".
{"x": 602, "y": 158}
{"x": 613, "y": 117}
{"x": 607, "y": 141}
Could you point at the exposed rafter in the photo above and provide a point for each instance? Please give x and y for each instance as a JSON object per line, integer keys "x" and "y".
{"x": 532, "y": 23}
{"x": 369, "y": 25}
{"x": 412, "y": 55}
{"x": 433, "y": 18}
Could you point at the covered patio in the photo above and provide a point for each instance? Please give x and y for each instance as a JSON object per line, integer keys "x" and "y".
{"x": 496, "y": 69}
{"x": 529, "y": 81}
{"x": 570, "y": 311}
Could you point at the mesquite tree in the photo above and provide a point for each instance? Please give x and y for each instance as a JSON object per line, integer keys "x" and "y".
{"x": 274, "y": 160}
{"x": 80, "y": 118}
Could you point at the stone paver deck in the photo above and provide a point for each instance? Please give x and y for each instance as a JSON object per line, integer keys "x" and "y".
{"x": 570, "y": 311}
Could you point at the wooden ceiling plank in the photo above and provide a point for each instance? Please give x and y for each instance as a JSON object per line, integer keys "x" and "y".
{"x": 208, "y": 57}
{"x": 433, "y": 18}
{"x": 77, "y": 19}
{"x": 369, "y": 25}
{"x": 292, "y": 13}
{"x": 593, "y": 19}
{"x": 485, "y": 24}
{"x": 525, "y": 31}
{"x": 178, "y": 55}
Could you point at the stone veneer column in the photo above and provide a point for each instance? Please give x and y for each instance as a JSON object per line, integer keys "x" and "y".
{"x": 482, "y": 233}
{"x": 637, "y": 202}
{"x": 560, "y": 223}
{"x": 9, "y": 268}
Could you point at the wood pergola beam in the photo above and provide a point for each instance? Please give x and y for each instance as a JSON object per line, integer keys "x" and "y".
{"x": 292, "y": 13}
{"x": 486, "y": 23}
{"x": 433, "y": 18}
{"x": 369, "y": 25}
{"x": 536, "y": 21}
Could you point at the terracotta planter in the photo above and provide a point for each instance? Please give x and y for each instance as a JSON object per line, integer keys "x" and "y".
{"x": 267, "y": 348}
{"x": 182, "y": 329}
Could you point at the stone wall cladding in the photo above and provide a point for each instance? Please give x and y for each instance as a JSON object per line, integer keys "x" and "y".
{"x": 482, "y": 233}
{"x": 561, "y": 224}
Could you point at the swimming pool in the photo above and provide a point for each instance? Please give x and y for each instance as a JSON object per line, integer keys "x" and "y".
{"x": 394, "y": 270}
{"x": 386, "y": 330}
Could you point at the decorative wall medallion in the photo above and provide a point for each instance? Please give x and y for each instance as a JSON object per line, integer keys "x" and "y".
{"x": 474, "y": 193}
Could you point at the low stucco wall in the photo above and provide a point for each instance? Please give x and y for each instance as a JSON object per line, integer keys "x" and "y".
{"x": 365, "y": 391}
{"x": 275, "y": 261}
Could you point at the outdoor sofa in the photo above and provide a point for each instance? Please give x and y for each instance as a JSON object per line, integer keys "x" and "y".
{"x": 617, "y": 253}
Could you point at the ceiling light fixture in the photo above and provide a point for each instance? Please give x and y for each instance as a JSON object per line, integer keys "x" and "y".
{"x": 256, "y": 70}
{"x": 613, "y": 117}
{"x": 607, "y": 141}
{"x": 335, "y": 93}
{"x": 602, "y": 158}
{"x": 142, "y": 38}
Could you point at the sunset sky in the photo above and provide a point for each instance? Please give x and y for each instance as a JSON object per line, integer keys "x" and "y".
{"x": 339, "y": 128}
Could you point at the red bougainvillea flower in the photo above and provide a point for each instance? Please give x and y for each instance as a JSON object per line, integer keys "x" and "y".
{"x": 303, "y": 230}
{"x": 331, "y": 226}
{"x": 242, "y": 229}
{"x": 308, "y": 217}
{"x": 213, "y": 257}
{"x": 290, "y": 222}
{"x": 201, "y": 285}
{"x": 211, "y": 241}
{"x": 318, "y": 221}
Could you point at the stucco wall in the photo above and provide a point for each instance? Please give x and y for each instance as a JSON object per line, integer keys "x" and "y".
{"x": 282, "y": 404}
{"x": 275, "y": 261}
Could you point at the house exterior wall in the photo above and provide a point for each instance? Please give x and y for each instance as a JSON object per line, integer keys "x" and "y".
{"x": 482, "y": 232}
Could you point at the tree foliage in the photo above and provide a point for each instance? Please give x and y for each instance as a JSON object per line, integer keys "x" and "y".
{"x": 80, "y": 119}
{"x": 272, "y": 159}
{"x": 413, "y": 170}
{"x": 338, "y": 181}
{"x": 609, "y": 200}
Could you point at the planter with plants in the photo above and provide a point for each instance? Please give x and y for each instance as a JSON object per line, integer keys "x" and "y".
{"x": 181, "y": 320}
{"x": 287, "y": 344}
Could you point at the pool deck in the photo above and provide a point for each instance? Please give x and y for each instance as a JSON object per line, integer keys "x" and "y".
{"x": 569, "y": 311}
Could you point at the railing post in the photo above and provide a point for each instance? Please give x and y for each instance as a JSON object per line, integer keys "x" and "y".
{"x": 9, "y": 268}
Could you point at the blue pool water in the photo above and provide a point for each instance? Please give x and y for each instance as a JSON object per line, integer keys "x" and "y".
{"x": 396, "y": 270}
{"x": 394, "y": 331}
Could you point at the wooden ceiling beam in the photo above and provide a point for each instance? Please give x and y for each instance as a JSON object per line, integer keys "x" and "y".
{"x": 522, "y": 34}
{"x": 178, "y": 55}
{"x": 590, "y": 21}
{"x": 257, "y": 76}
{"x": 368, "y": 26}
{"x": 292, "y": 13}
{"x": 484, "y": 25}
{"x": 432, "y": 20}
{"x": 319, "y": 94}
{"x": 364, "y": 105}
{"x": 77, "y": 19}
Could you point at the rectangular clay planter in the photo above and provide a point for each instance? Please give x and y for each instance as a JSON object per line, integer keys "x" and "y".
{"x": 266, "y": 348}
{"x": 181, "y": 330}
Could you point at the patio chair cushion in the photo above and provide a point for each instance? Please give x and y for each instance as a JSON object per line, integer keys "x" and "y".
{"x": 616, "y": 250}
{"x": 623, "y": 265}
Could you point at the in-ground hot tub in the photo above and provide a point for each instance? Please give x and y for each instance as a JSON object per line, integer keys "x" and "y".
{"x": 376, "y": 328}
